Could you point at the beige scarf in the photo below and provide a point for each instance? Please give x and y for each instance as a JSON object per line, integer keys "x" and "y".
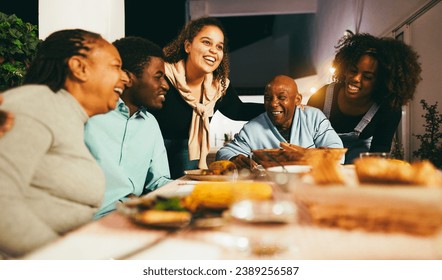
{"x": 199, "y": 144}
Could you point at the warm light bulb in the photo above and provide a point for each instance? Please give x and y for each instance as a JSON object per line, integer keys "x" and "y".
{"x": 332, "y": 70}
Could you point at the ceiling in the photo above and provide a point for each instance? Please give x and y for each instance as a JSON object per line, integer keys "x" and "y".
{"x": 246, "y": 23}
{"x": 241, "y": 30}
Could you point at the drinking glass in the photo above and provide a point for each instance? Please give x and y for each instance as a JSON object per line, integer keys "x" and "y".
{"x": 374, "y": 154}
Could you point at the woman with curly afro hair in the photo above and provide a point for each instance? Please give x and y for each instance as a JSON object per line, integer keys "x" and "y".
{"x": 197, "y": 70}
{"x": 374, "y": 77}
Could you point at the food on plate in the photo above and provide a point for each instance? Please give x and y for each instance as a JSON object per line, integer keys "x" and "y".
{"x": 393, "y": 171}
{"x": 202, "y": 175}
{"x": 426, "y": 174}
{"x": 157, "y": 203}
{"x": 326, "y": 172}
{"x": 290, "y": 154}
{"x": 220, "y": 167}
{"x": 157, "y": 212}
{"x": 220, "y": 195}
{"x": 376, "y": 219}
{"x": 291, "y": 147}
{"x": 162, "y": 217}
{"x": 415, "y": 211}
{"x": 382, "y": 170}
{"x": 168, "y": 204}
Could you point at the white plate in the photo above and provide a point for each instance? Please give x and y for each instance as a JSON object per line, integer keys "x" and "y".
{"x": 265, "y": 211}
{"x": 290, "y": 169}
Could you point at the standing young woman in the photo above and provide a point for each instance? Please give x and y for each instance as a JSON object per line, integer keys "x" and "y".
{"x": 374, "y": 77}
{"x": 197, "y": 70}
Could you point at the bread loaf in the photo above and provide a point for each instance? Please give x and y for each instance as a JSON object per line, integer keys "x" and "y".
{"x": 397, "y": 172}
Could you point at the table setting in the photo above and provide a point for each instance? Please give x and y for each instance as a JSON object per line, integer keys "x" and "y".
{"x": 284, "y": 211}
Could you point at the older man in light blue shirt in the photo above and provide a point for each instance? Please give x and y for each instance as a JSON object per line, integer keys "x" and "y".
{"x": 127, "y": 142}
{"x": 285, "y": 120}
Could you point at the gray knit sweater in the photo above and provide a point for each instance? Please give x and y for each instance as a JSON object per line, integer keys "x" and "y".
{"x": 49, "y": 182}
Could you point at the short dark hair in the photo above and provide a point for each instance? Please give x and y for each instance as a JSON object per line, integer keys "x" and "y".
{"x": 50, "y": 65}
{"x": 136, "y": 53}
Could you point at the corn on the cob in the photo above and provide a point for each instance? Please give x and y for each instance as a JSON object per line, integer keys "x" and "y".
{"x": 219, "y": 195}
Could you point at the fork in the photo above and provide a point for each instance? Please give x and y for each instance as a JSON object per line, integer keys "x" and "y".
{"x": 276, "y": 161}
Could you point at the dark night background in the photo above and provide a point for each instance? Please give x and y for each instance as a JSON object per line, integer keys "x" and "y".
{"x": 160, "y": 21}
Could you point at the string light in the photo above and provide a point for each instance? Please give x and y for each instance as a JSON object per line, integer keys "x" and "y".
{"x": 348, "y": 33}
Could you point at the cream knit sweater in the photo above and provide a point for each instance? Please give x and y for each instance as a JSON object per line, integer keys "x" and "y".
{"x": 49, "y": 182}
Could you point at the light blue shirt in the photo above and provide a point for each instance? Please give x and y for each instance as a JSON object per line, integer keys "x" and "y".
{"x": 310, "y": 129}
{"x": 131, "y": 152}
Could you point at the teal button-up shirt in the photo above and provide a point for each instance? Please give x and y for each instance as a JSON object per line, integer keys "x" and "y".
{"x": 131, "y": 152}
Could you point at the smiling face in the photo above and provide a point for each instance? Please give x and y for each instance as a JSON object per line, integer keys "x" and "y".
{"x": 280, "y": 100}
{"x": 150, "y": 89}
{"x": 105, "y": 77}
{"x": 360, "y": 80}
{"x": 206, "y": 51}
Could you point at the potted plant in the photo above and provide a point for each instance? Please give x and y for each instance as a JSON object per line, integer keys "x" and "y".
{"x": 18, "y": 44}
{"x": 431, "y": 140}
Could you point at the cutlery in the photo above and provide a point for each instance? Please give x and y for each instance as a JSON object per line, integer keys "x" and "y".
{"x": 272, "y": 158}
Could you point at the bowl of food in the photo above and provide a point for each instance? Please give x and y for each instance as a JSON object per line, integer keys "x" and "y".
{"x": 288, "y": 175}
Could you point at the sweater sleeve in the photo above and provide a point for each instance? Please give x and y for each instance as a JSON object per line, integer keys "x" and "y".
{"x": 18, "y": 163}
{"x": 325, "y": 135}
{"x": 258, "y": 133}
{"x": 247, "y": 139}
{"x": 239, "y": 145}
{"x": 384, "y": 131}
{"x": 232, "y": 107}
{"x": 317, "y": 100}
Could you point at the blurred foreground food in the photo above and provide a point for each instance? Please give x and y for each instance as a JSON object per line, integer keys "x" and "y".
{"x": 220, "y": 195}
{"x": 410, "y": 210}
{"x": 393, "y": 171}
{"x": 389, "y": 196}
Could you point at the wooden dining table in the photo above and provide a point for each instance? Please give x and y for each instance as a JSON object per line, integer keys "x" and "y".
{"x": 116, "y": 236}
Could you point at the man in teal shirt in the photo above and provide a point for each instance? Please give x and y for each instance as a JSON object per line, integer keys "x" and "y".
{"x": 127, "y": 142}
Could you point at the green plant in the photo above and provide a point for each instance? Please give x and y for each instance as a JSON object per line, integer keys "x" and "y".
{"x": 18, "y": 44}
{"x": 227, "y": 137}
{"x": 397, "y": 150}
{"x": 431, "y": 140}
